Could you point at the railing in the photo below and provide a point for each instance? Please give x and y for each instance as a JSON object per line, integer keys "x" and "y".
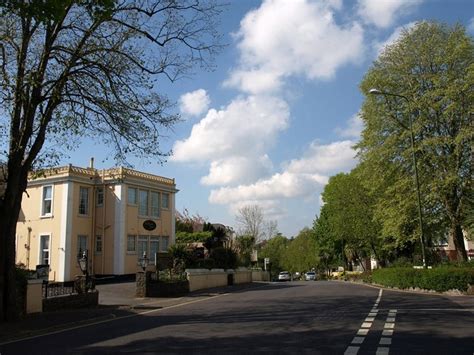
{"x": 54, "y": 289}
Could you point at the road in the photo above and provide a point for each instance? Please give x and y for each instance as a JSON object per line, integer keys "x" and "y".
{"x": 294, "y": 317}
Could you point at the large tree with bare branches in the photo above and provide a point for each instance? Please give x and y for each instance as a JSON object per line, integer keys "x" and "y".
{"x": 78, "y": 68}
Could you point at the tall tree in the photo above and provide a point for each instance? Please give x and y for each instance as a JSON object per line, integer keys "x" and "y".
{"x": 426, "y": 77}
{"x": 301, "y": 253}
{"x": 275, "y": 249}
{"x": 251, "y": 222}
{"x": 71, "y": 69}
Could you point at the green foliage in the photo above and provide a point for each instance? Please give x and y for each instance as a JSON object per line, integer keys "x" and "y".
{"x": 224, "y": 258}
{"x": 245, "y": 245}
{"x": 300, "y": 255}
{"x": 429, "y": 75}
{"x": 275, "y": 249}
{"x": 189, "y": 237}
{"x": 439, "y": 279}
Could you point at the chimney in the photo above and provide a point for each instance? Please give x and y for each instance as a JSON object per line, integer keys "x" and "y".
{"x": 91, "y": 163}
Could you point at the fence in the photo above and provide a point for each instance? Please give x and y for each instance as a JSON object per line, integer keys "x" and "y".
{"x": 53, "y": 289}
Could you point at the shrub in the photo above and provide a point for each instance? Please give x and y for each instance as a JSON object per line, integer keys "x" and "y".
{"x": 439, "y": 279}
{"x": 224, "y": 258}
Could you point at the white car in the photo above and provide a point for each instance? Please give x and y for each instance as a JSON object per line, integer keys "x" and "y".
{"x": 310, "y": 276}
{"x": 284, "y": 276}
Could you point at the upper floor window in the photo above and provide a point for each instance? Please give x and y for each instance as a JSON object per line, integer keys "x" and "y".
{"x": 132, "y": 196}
{"x": 47, "y": 201}
{"x": 83, "y": 201}
{"x": 155, "y": 204}
{"x": 143, "y": 203}
{"x": 165, "y": 200}
{"x": 100, "y": 197}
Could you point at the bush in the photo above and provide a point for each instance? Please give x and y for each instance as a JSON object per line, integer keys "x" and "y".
{"x": 224, "y": 258}
{"x": 439, "y": 279}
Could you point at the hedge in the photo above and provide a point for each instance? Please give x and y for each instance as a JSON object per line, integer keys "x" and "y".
{"x": 439, "y": 279}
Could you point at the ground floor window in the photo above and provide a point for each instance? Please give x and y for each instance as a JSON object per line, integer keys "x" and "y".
{"x": 81, "y": 244}
{"x": 150, "y": 244}
{"x": 44, "y": 250}
{"x": 98, "y": 244}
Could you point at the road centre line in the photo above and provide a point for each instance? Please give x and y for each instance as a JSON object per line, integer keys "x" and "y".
{"x": 110, "y": 320}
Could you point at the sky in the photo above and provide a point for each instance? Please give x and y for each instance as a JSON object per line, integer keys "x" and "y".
{"x": 279, "y": 114}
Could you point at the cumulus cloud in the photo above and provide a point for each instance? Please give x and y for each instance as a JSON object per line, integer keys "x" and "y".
{"x": 383, "y": 13}
{"x": 353, "y": 129}
{"x": 300, "y": 177}
{"x": 284, "y": 38}
{"x": 234, "y": 139}
{"x": 194, "y": 103}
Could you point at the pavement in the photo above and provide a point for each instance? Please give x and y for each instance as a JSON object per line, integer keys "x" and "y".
{"x": 115, "y": 301}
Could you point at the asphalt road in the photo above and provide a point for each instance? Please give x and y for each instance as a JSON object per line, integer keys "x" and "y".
{"x": 294, "y": 317}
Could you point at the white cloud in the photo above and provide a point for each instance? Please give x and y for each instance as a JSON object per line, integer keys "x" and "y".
{"x": 383, "y": 13}
{"x": 392, "y": 39}
{"x": 237, "y": 169}
{"x": 300, "y": 178}
{"x": 283, "y": 38}
{"x": 353, "y": 129}
{"x": 194, "y": 103}
{"x": 234, "y": 139}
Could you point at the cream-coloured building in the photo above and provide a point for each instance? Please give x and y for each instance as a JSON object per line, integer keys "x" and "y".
{"x": 115, "y": 214}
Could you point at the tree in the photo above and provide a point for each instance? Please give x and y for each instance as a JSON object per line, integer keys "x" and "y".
{"x": 74, "y": 69}
{"x": 275, "y": 249}
{"x": 251, "y": 222}
{"x": 245, "y": 245}
{"x": 301, "y": 252}
{"x": 329, "y": 248}
{"x": 429, "y": 75}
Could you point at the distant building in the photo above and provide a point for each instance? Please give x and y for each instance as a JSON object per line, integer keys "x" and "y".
{"x": 447, "y": 250}
{"x": 115, "y": 214}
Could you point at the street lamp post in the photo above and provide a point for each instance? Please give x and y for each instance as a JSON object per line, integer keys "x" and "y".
{"x": 417, "y": 182}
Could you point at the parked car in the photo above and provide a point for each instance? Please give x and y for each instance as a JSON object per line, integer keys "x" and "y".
{"x": 310, "y": 276}
{"x": 284, "y": 276}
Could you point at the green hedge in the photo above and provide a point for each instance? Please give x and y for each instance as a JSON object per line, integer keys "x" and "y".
{"x": 439, "y": 279}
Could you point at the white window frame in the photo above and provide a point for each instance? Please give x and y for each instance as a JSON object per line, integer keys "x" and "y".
{"x": 40, "y": 250}
{"x": 88, "y": 200}
{"x": 151, "y": 213}
{"x": 49, "y": 214}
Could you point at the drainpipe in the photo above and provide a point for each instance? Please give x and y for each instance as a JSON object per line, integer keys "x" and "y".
{"x": 27, "y": 246}
{"x": 104, "y": 210}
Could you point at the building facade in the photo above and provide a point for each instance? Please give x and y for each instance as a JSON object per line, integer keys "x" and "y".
{"x": 115, "y": 215}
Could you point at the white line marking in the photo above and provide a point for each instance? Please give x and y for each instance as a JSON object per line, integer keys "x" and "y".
{"x": 393, "y": 311}
{"x": 358, "y": 340}
{"x": 387, "y": 332}
{"x": 385, "y": 341}
{"x": 362, "y": 331}
{"x": 389, "y": 325}
{"x": 352, "y": 350}
{"x": 391, "y": 319}
{"x": 366, "y": 325}
{"x": 382, "y": 351}
{"x": 369, "y": 319}
{"x": 373, "y": 314}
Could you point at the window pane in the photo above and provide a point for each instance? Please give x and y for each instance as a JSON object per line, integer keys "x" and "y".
{"x": 155, "y": 204}
{"x": 165, "y": 200}
{"x": 81, "y": 244}
{"x": 131, "y": 243}
{"x": 143, "y": 207}
{"x": 83, "y": 200}
{"x": 132, "y": 196}
{"x": 164, "y": 243}
{"x": 142, "y": 245}
{"x": 154, "y": 247}
{"x": 100, "y": 196}
{"x": 47, "y": 200}
{"x": 44, "y": 251}
{"x": 98, "y": 243}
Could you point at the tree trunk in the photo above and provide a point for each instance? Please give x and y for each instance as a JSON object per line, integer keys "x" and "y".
{"x": 458, "y": 239}
{"x": 9, "y": 212}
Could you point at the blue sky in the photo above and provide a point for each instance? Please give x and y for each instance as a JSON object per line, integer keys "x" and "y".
{"x": 278, "y": 116}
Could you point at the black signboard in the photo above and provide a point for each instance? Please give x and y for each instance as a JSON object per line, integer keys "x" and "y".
{"x": 149, "y": 225}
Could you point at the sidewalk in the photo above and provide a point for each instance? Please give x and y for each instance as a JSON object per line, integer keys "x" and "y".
{"x": 115, "y": 301}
